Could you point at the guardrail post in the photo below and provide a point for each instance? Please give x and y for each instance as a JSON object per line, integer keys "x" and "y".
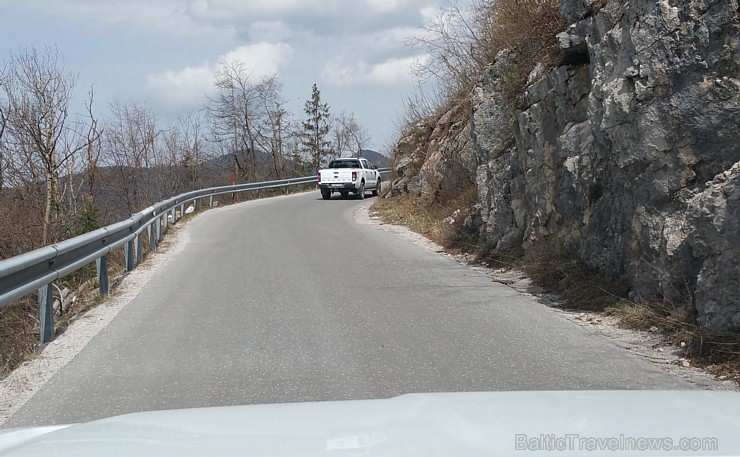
{"x": 46, "y": 314}
{"x": 158, "y": 224}
{"x": 174, "y": 216}
{"x": 139, "y": 250}
{"x": 128, "y": 252}
{"x": 102, "y": 265}
{"x": 210, "y": 201}
{"x": 152, "y": 236}
{"x": 182, "y": 210}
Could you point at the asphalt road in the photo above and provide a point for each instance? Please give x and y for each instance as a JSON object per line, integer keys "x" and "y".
{"x": 290, "y": 299}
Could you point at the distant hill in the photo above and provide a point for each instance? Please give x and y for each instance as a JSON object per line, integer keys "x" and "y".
{"x": 376, "y": 158}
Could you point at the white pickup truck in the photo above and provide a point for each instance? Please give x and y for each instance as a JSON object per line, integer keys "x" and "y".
{"x": 354, "y": 175}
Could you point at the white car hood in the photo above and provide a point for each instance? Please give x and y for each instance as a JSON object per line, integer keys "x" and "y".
{"x": 437, "y": 424}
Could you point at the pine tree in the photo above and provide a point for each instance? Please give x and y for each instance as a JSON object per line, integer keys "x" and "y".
{"x": 314, "y": 137}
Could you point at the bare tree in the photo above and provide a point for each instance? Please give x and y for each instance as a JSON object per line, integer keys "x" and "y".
{"x": 42, "y": 137}
{"x": 180, "y": 155}
{"x": 130, "y": 150}
{"x": 3, "y": 123}
{"x": 94, "y": 147}
{"x": 249, "y": 121}
{"x": 82, "y": 167}
{"x": 278, "y": 123}
{"x": 359, "y": 138}
{"x": 233, "y": 112}
{"x": 455, "y": 43}
{"x": 168, "y": 175}
{"x": 349, "y": 138}
{"x": 462, "y": 40}
{"x": 192, "y": 128}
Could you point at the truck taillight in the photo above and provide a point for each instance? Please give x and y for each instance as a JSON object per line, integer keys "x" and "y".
{"x": 354, "y": 176}
{"x": 318, "y": 176}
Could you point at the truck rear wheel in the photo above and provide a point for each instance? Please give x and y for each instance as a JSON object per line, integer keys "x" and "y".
{"x": 325, "y": 194}
{"x": 378, "y": 186}
{"x": 361, "y": 191}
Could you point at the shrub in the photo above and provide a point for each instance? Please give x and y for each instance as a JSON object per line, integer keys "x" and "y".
{"x": 460, "y": 42}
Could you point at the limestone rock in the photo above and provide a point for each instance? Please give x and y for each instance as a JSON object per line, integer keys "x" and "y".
{"x": 626, "y": 155}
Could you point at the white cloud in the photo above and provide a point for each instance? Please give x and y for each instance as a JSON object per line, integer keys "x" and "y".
{"x": 229, "y": 9}
{"x": 228, "y": 18}
{"x": 161, "y": 16}
{"x": 184, "y": 87}
{"x": 262, "y": 59}
{"x": 189, "y": 85}
{"x": 394, "y": 72}
{"x": 388, "y": 40}
{"x": 430, "y": 14}
{"x": 271, "y": 31}
{"x": 385, "y": 6}
{"x": 226, "y": 22}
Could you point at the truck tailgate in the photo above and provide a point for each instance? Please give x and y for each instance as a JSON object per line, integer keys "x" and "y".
{"x": 336, "y": 175}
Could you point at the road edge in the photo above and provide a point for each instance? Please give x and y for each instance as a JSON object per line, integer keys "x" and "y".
{"x": 648, "y": 346}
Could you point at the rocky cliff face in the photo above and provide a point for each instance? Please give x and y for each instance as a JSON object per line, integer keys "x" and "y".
{"x": 434, "y": 159}
{"x": 628, "y": 154}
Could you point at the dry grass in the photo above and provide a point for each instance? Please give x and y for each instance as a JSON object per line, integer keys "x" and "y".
{"x": 646, "y": 316}
{"x": 527, "y": 27}
{"x": 18, "y": 334}
{"x": 583, "y": 287}
{"x": 19, "y": 325}
{"x": 587, "y": 289}
{"x": 429, "y": 220}
{"x": 719, "y": 353}
{"x": 463, "y": 40}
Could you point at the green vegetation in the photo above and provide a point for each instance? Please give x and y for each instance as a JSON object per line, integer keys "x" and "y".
{"x": 315, "y": 131}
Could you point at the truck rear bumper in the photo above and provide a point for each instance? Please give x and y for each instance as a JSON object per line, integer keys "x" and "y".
{"x": 338, "y": 186}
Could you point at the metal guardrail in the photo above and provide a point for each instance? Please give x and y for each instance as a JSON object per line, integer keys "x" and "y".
{"x": 36, "y": 270}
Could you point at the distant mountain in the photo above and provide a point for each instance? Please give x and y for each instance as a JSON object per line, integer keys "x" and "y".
{"x": 376, "y": 158}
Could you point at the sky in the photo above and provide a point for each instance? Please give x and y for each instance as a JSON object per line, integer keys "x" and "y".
{"x": 165, "y": 52}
